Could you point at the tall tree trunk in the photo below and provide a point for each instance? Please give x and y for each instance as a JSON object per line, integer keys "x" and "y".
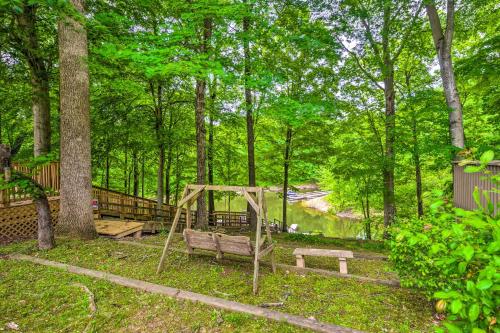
{"x": 201, "y": 207}
{"x": 169, "y": 157}
{"x": 178, "y": 172}
{"x": 30, "y": 48}
{"x": 368, "y": 222}
{"x": 210, "y": 151}
{"x": 286, "y": 164}
{"x": 142, "y": 177}
{"x": 107, "y": 167}
{"x": 389, "y": 158}
{"x": 159, "y": 179}
{"x": 442, "y": 43}
{"x": 418, "y": 175}
{"x": 125, "y": 172}
{"x": 249, "y": 115}
{"x": 136, "y": 173}
{"x": 75, "y": 215}
{"x": 157, "y": 95}
{"x": 168, "y": 169}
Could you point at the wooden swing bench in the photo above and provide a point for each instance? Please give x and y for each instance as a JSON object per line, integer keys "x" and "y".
{"x": 220, "y": 243}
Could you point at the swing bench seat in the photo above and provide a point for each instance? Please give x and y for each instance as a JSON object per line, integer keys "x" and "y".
{"x": 220, "y": 243}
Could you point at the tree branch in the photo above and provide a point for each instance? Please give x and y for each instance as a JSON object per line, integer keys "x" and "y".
{"x": 450, "y": 24}
{"x": 407, "y": 33}
{"x": 368, "y": 75}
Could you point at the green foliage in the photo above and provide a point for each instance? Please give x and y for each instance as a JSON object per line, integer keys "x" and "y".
{"x": 453, "y": 255}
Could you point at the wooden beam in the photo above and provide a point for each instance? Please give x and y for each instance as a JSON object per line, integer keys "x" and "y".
{"x": 257, "y": 243}
{"x": 251, "y": 201}
{"x": 191, "y": 195}
{"x": 170, "y": 235}
{"x": 266, "y": 251}
{"x": 252, "y": 189}
{"x": 268, "y": 231}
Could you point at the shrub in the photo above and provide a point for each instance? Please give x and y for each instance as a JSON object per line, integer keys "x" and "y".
{"x": 454, "y": 256}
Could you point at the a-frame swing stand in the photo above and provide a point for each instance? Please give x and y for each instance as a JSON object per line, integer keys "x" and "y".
{"x": 220, "y": 243}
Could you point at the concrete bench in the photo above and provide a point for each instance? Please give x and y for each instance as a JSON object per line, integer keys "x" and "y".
{"x": 342, "y": 255}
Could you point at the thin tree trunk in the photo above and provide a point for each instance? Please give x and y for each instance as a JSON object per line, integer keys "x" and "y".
{"x": 125, "y": 172}
{"x": 30, "y": 48}
{"x": 210, "y": 153}
{"x": 418, "y": 175}
{"x": 136, "y": 173}
{"x": 169, "y": 158}
{"x": 178, "y": 171}
{"x": 142, "y": 176}
{"x": 107, "y": 167}
{"x": 368, "y": 222}
{"x": 442, "y": 43}
{"x": 201, "y": 208}
{"x": 249, "y": 116}
{"x": 75, "y": 217}
{"x": 45, "y": 231}
{"x": 167, "y": 174}
{"x": 159, "y": 182}
{"x": 286, "y": 165}
{"x": 389, "y": 158}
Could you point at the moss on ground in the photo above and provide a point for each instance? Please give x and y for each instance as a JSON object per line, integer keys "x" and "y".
{"x": 347, "y": 302}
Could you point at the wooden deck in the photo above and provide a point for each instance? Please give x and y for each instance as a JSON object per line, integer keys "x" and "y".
{"x": 118, "y": 229}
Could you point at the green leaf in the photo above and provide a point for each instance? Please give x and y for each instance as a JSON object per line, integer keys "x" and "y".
{"x": 455, "y": 306}
{"x": 452, "y": 328}
{"x": 472, "y": 169}
{"x": 487, "y": 157}
{"x": 473, "y": 312}
{"x": 484, "y": 284}
{"x": 477, "y": 197}
{"x": 478, "y": 330}
{"x": 468, "y": 252}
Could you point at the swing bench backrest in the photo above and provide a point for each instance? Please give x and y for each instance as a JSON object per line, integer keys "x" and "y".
{"x": 240, "y": 245}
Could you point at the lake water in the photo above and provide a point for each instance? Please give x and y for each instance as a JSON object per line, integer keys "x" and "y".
{"x": 307, "y": 219}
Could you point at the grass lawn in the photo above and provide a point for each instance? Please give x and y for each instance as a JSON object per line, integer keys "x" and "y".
{"x": 42, "y": 299}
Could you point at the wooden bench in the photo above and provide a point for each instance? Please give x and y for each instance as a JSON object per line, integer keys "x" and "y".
{"x": 341, "y": 254}
{"x": 220, "y": 243}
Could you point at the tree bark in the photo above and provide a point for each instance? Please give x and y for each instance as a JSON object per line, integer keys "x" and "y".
{"x": 45, "y": 230}
{"x": 30, "y": 48}
{"x": 168, "y": 170}
{"x": 249, "y": 116}
{"x": 201, "y": 207}
{"x": 368, "y": 222}
{"x": 75, "y": 217}
{"x": 136, "y": 173}
{"x": 418, "y": 174}
{"x": 107, "y": 168}
{"x": 442, "y": 43}
{"x": 286, "y": 165}
{"x": 210, "y": 151}
{"x": 389, "y": 158}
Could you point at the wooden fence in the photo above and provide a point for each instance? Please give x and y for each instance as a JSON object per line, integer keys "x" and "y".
{"x": 465, "y": 183}
{"x": 20, "y": 221}
{"x": 46, "y": 175}
{"x": 18, "y": 214}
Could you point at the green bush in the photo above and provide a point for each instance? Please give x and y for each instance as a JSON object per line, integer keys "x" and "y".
{"x": 454, "y": 256}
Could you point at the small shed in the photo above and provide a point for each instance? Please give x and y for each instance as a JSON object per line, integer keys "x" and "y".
{"x": 465, "y": 183}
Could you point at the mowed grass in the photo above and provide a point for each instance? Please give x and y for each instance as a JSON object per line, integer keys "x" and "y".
{"x": 347, "y": 302}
